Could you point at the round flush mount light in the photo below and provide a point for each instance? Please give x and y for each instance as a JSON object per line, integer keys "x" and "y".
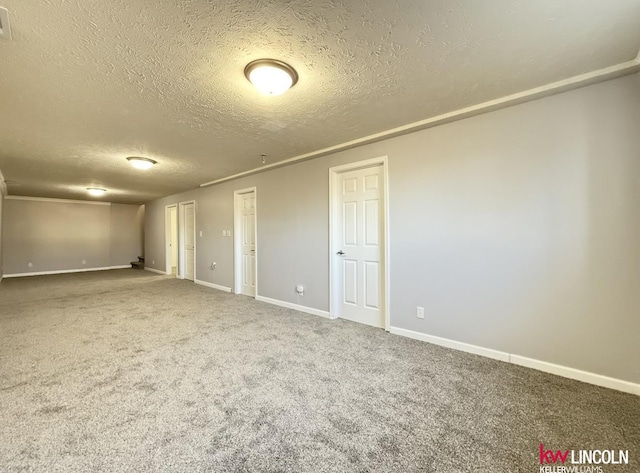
{"x": 271, "y": 77}
{"x": 141, "y": 163}
{"x": 96, "y": 191}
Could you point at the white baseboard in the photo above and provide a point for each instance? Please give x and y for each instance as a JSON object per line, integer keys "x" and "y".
{"x": 579, "y": 375}
{"x": 291, "y": 305}
{"x": 65, "y": 271}
{"x": 213, "y": 286}
{"x": 445, "y": 342}
{"x": 153, "y": 270}
{"x": 559, "y": 370}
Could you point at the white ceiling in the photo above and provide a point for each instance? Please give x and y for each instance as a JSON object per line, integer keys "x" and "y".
{"x": 83, "y": 84}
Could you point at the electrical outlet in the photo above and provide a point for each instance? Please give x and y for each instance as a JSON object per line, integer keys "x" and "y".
{"x": 213, "y": 266}
{"x": 31, "y": 265}
{"x": 84, "y": 261}
{"x": 153, "y": 262}
{"x": 420, "y": 312}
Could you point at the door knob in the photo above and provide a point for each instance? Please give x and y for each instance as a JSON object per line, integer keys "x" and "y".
{"x": 341, "y": 253}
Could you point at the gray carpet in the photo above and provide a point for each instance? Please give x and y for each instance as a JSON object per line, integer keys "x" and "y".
{"x": 128, "y": 371}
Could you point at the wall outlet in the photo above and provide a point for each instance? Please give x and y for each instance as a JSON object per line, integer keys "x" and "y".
{"x": 31, "y": 265}
{"x": 420, "y": 312}
{"x": 84, "y": 261}
{"x": 153, "y": 261}
{"x": 213, "y": 266}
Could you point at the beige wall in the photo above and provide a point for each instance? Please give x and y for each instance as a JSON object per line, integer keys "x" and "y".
{"x": 517, "y": 230}
{"x": 60, "y": 235}
{"x": 1, "y": 220}
{"x": 126, "y": 233}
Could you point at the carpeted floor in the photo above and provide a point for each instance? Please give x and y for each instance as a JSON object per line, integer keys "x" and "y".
{"x": 128, "y": 371}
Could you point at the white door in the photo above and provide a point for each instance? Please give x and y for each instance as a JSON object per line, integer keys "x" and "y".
{"x": 248, "y": 243}
{"x": 189, "y": 240}
{"x": 358, "y": 240}
{"x": 173, "y": 242}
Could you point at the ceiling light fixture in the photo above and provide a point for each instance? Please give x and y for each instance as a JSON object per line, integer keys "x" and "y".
{"x": 141, "y": 163}
{"x": 271, "y": 77}
{"x": 96, "y": 191}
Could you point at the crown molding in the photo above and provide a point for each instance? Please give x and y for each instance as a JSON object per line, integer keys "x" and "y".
{"x": 60, "y": 201}
{"x": 600, "y": 75}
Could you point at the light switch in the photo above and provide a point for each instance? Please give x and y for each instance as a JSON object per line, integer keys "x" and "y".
{"x": 200, "y": 233}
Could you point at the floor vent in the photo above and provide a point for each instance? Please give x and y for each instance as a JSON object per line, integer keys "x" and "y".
{"x": 5, "y": 31}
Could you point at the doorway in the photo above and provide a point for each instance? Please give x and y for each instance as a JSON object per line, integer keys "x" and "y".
{"x": 187, "y": 253}
{"x": 171, "y": 239}
{"x": 244, "y": 243}
{"x": 359, "y": 242}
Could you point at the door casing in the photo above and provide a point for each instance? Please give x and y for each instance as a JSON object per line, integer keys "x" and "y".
{"x": 334, "y": 197}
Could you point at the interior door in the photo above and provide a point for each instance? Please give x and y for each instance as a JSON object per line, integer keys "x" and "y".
{"x": 359, "y": 239}
{"x": 174, "y": 243}
{"x": 248, "y": 222}
{"x": 189, "y": 240}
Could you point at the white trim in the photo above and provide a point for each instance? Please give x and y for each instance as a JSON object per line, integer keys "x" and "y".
{"x": 333, "y": 181}
{"x": 579, "y": 375}
{"x": 65, "y": 271}
{"x": 237, "y": 234}
{"x": 571, "y": 83}
{"x": 445, "y": 342}
{"x": 62, "y": 201}
{"x": 213, "y": 286}
{"x": 180, "y": 270}
{"x": 167, "y": 237}
{"x": 559, "y": 370}
{"x": 291, "y": 305}
{"x": 153, "y": 270}
{"x": 3, "y": 189}
{"x": 5, "y": 31}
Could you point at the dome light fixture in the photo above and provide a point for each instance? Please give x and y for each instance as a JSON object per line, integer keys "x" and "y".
{"x": 270, "y": 76}
{"x": 141, "y": 163}
{"x": 96, "y": 191}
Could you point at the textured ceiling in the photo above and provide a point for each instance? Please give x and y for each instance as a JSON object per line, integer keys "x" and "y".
{"x": 83, "y": 84}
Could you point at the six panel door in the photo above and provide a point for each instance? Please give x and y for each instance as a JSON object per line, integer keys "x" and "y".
{"x": 358, "y": 249}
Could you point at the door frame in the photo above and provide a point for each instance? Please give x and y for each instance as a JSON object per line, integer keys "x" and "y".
{"x": 237, "y": 237}
{"x": 334, "y": 173}
{"x": 167, "y": 238}
{"x": 181, "y": 249}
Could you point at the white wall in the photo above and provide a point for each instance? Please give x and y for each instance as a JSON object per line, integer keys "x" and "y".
{"x": 58, "y": 235}
{"x": 517, "y": 230}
